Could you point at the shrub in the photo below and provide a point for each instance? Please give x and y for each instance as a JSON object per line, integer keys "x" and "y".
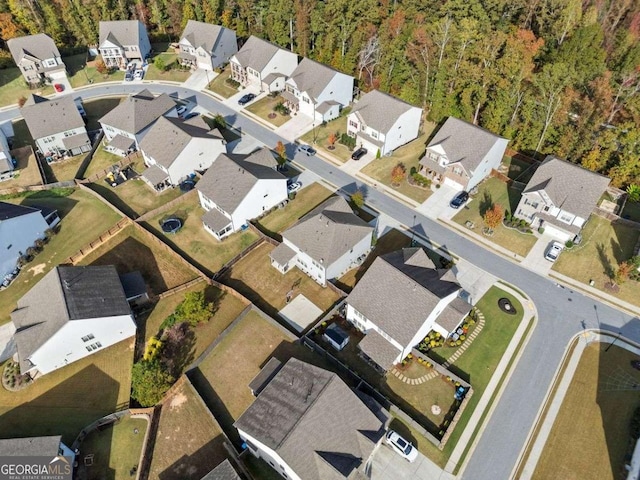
{"x": 159, "y": 63}
{"x": 347, "y": 141}
{"x": 398, "y": 173}
{"x": 149, "y": 382}
{"x": 378, "y": 154}
{"x": 232, "y": 83}
{"x": 540, "y": 230}
{"x": 282, "y": 109}
{"x": 420, "y": 180}
{"x": 568, "y": 243}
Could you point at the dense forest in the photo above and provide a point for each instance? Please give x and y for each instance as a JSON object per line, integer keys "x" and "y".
{"x": 554, "y": 76}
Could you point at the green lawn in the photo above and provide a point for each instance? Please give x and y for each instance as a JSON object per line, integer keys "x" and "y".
{"x": 84, "y": 218}
{"x": 66, "y": 169}
{"x": 226, "y": 309}
{"x": 493, "y": 191}
{"x": 70, "y": 398}
{"x": 131, "y": 250}
{"x": 318, "y": 137}
{"x": 189, "y": 442}
{"x": 306, "y": 200}
{"x": 194, "y": 242}
{"x": 597, "y": 445}
{"x": 96, "y": 109}
{"x": 408, "y": 155}
{"x": 101, "y": 161}
{"x": 173, "y": 73}
{"x": 265, "y": 286}
{"x": 264, "y": 107}
{"x": 604, "y": 245}
{"x": 14, "y": 86}
{"x": 27, "y": 169}
{"x": 631, "y": 211}
{"x": 517, "y": 169}
{"x": 220, "y": 86}
{"x": 22, "y": 136}
{"x": 116, "y": 450}
{"x": 83, "y": 73}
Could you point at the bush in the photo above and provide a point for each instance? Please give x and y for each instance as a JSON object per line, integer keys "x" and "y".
{"x": 149, "y": 382}
{"x": 232, "y": 83}
{"x": 347, "y": 141}
{"x": 568, "y": 243}
{"x": 419, "y": 180}
{"x": 541, "y": 230}
{"x": 282, "y": 109}
{"x": 159, "y": 63}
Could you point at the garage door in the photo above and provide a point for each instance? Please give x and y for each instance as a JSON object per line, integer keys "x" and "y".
{"x": 58, "y": 74}
{"x": 453, "y": 183}
{"x": 556, "y": 232}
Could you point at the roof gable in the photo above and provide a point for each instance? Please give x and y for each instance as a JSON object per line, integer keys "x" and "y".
{"x": 121, "y": 32}
{"x": 138, "y": 111}
{"x": 312, "y": 77}
{"x": 256, "y": 53}
{"x": 202, "y": 35}
{"x": 380, "y": 111}
{"x": 38, "y": 47}
{"x": 46, "y": 117}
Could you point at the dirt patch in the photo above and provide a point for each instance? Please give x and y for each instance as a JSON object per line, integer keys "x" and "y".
{"x": 178, "y": 400}
{"x": 38, "y": 269}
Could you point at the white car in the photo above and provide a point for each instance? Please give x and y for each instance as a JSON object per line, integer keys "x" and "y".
{"x": 138, "y": 75}
{"x": 401, "y": 446}
{"x": 306, "y": 149}
{"x": 181, "y": 110}
{"x": 553, "y": 251}
{"x": 294, "y": 187}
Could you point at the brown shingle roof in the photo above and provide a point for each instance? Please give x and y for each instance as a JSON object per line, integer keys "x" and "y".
{"x": 379, "y": 349}
{"x": 138, "y": 111}
{"x": 49, "y": 117}
{"x": 39, "y": 46}
{"x": 379, "y": 110}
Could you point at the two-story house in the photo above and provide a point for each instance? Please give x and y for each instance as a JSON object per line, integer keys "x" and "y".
{"x": 309, "y": 425}
{"x": 399, "y": 300}
{"x": 174, "y": 149}
{"x": 6, "y": 160}
{"x": 20, "y": 227}
{"x": 318, "y": 91}
{"x": 56, "y": 126}
{"x": 380, "y": 122}
{"x": 37, "y": 57}
{"x": 85, "y": 311}
{"x": 262, "y": 65}
{"x": 325, "y": 243}
{"x": 123, "y": 41}
{"x": 126, "y": 125}
{"x": 207, "y": 46}
{"x": 461, "y": 154}
{"x": 560, "y": 197}
{"x": 238, "y": 188}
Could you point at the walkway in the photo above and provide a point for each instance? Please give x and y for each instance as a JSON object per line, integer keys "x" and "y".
{"x": 535, "y": 260}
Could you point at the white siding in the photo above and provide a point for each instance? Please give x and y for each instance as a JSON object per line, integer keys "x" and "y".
{"x": 339, "y": 89}
{"x": 66, "y": 345}
{"x": 199, "y": 154}
{"x": 268, "y": 455}
{"x": 365, "y": 325}
{"x": 54, "y": 142}
{"x": 16, "y": 235}
{"x": 348, "y": 260}
{"x": 264, "y": 195}
{"x": 225, "y": 48}
{"x": 403, "y": 130}
{"x": 283, "y": 62}
{"x": 492, "y": 160}
{"x": 307, "y": 264}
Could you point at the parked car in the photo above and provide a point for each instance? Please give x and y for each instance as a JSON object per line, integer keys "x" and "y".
{"x": 128, "y": 77}
{"x": 306, "y": 149}
{"x": 138, "y": 75}
{"x": 401, "y": 446}
{"x": 246, "y": 98}
{"x": 191, "y": 115}
{"x": 58, "y": 87}
{"x": 359, "y": 153}
{"x": 181, "y": 110}
{"x": 294, "y": 187}
{"x": 459, "y": 200}
{"x": 553, "y": 251}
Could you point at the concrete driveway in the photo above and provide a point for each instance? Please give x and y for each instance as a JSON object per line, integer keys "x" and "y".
{"x": 437, "y": 205}
{"x": 232, "y": 101}
{"x": 199, "y": 79}
{"x": 296, "y": 127}
{"x": 535, "y": 259}
{"x": 388, "y": 465}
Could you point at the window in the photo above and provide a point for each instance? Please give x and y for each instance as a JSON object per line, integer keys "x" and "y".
{"x": 88, "y": 337}
{"x": 566, "y": 217}
{"x": 374, "y": 134}
{"x": 353, "y": 124}
{"x": 93, "y": 346}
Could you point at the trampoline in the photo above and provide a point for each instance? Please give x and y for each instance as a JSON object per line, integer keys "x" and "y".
{"x": 171, "y": 225}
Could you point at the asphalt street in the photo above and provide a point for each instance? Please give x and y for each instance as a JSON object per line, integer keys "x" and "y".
{"x": 562, "y": 312}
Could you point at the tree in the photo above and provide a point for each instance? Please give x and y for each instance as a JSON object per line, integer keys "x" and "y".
{"x": 194, "y": 309}
{"x": 149, "y": 382}
{"x": 220, "y": 122}
{"x": 281, "y": 150}
{"x": 101, "y": 67}
{"x": 159, "y": 63}
{"x": 332, "y": 139}
{"x": 358, "y": 198}
{"x": 493, "y": 216}
{"x": 622, "y": 273}
{"x": 633, "y": 192}
{"x": 398, "y": 174}
{"x": 21, "y": 101}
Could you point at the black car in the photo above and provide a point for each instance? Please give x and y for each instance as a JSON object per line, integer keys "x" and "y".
{"x": 191, "y": 115}
{"x": 459, "y": 200}
{"x": 359, "y": 153}
{"x": 246, "y": 98}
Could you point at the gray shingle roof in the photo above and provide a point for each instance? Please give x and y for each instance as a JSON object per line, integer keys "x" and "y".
{"x": 312, "y": 77}
{"x": 71, "y": 293}
{"x": 379, "y": 349}
{"x": 168, "y": 137}
{"x": 215, "y": 220}
{"x": 399, "y": 291}
{"x": 121, "y": 142}
{"x": 231, "y": 178}
{"x": 155, "y": 175}
{"x": 464, "y": 142}
{"x": 138, "y": 111}
{"x": 282, "y": 254}
{"x": 200, "y": 34}
{"x": 120, "y": 32}
{"x": 76, "y": 141}
{"x": 271, "y": 368}
{"x": 379, "y": 110}
{"x": 224, "y": 471}
{"x": 256, "y": 53}
{"x": 39, "y": 46}
{"x": 453, "y": 314}
{"x": 329, "y": 231}
{"x": 48, "y": 117}
{"x": 570, "y": 187}
{"x": 133, "y": 284}
{"x": 31, "y": 446}
{"x": 10, "y": 210}
{"x": 314, "y": 422}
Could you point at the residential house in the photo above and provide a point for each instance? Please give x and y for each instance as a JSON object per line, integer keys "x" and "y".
{"x": 6, "y": 160}
{"x": 309, "y": 425}
{"x": 56, "y": 126}
{"x": 174, "y": 149}
{"x": 51, "y": 446}
{"x": 380, "y": 122}
{"x": 207, "y": 46}
{"x": 325, "y": 243}
{"x": 122, "y": 42}
{"x": 560, "y": 197}
{"x": 318, "y": 91}
{"x": 126, "y": 125}
{"x": 224, "y": 471}
{"x": 20, "y": 227}
{"x": 262, "y": 65}
{"x": 38, "y": 58}
{"x": 461, "y": 154}
{"x": 399, "y": 300}
{"x": 85, "y": 311}
{"x": 238, "y": 188}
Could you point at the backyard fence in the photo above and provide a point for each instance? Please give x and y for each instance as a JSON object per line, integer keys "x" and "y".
{"x": 263, "y": 235}
{"x": 89, "y": 247}
{"x": 180, "y": 288}
{"x": 521, "y": 156}
{"x": 238, "y": 257}
{"x": 90, "y": 191}
{"x": 89, "y": 156}
{"x": 616, "y": 219}
{"x": 167, "y": 206}
{"x": 38, "y": 188}
{"x": 125, "y": 162}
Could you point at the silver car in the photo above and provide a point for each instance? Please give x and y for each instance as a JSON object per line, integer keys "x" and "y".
{"x": 553, "y": 251}
{"x": 401, "y": 446}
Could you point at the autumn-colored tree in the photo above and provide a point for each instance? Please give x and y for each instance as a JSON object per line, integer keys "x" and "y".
{"x": 358, "y": 198}
{"x": 281, "y": 150}
{"x": 8, "y": 28}
{"x": 332, "y": 139}
{"x": 622, "y": 273}
{"x": 21, "y": 101}
{"x": 101, "y": 67}
{"x": 493, "y": 216}
{"x": 398, "y": 174}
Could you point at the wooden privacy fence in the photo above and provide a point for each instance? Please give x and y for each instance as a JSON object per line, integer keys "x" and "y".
{"x": 167, "y": 206}
{"x": 180, "y": 288}
{"x": 125, "y": 162}
{"x": 617, "y": 219}
{"x": 89, "y": 156}
{"x": 89, "y": 247}
{"x": 38, "y": 188}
